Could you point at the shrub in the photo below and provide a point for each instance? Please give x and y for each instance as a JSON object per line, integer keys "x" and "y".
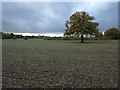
{"x": 25, "y": 38}
{"x": 14, "y": 37}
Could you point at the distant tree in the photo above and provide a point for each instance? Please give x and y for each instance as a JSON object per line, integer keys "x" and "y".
{"x": 12, "y": 34}
{"x": 25, "y": 38}
{"x": 33, "y": 36}
{"x": 80, "y": 23}
{"x": 112, "y": 33}
{"x": 6, "y": 36}
{"x": 19, "y": 36}
{"x": 14, "y": 37}
{"x": 101, "y": 34}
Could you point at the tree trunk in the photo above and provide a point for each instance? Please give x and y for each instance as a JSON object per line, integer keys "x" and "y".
{"x": 82, "y": 38}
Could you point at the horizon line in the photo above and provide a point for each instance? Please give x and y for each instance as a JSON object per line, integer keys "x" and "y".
{"x": 55, "y": 34}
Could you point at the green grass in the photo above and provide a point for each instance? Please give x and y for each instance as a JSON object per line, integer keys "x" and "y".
{"x": 43, "y": 63}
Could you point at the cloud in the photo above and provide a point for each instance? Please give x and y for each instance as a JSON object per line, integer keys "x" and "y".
{"x": 50, "y": 17}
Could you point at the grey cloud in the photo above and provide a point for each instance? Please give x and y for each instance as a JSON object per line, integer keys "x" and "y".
{"x": 50, "y": 17}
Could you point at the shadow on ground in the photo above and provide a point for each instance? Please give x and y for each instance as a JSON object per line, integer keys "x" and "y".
{"x": 85, "y": 42}
{"x": 92, "y": 42}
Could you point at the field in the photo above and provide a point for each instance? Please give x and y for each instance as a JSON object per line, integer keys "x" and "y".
{"x": 57, "y": 63}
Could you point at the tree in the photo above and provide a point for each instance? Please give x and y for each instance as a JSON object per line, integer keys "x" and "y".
{"x": 80, "y": 23}
{"x": 14, "y": 37}
{"x": 112, "y": 33}
{"x": 25, "y": 38}
{"x": 100, "y": 34}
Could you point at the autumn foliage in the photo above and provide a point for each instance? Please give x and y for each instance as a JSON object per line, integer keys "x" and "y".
{"x": 112, "y": 33}
{"x": 80, "y": 24}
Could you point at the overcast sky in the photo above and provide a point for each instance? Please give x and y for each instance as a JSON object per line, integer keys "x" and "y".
{"x": 50, "y": 17}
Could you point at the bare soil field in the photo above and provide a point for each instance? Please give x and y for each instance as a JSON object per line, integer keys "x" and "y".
{"x": 57, "y": 63}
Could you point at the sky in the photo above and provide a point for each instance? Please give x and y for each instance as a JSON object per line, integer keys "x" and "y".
{"x": 50, "y": 17}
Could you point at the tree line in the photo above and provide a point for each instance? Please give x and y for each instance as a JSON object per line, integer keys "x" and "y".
{"x": 15, "y": 36}
{"x": 110, "y": 34}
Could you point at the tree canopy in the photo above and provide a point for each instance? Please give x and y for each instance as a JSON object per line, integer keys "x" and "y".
{"x": 80, "y": 23}
{"x": 112, "y": 33}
